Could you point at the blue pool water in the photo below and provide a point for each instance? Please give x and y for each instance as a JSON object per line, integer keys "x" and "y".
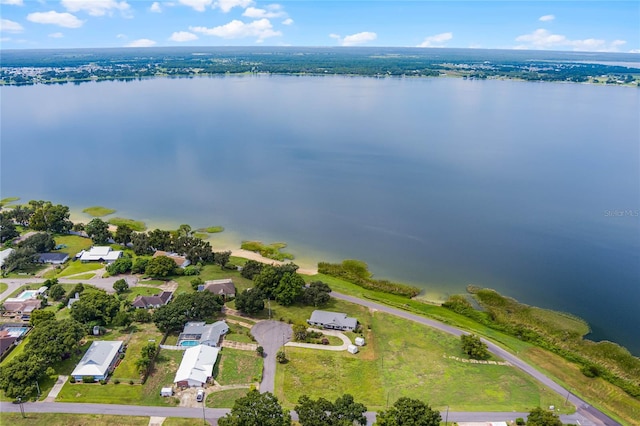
{"x": 16, "y": 331}
{"x": 27, "y": 294}
{"x": 189, "y": 343}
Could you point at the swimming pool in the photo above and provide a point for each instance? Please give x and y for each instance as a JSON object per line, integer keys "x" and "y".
{"x": 27, "y": 294}
{"x": 189, "y": 343}
{"x": 15, "y": 331}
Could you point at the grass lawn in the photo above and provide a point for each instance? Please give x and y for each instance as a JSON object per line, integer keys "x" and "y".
{"x": 136, "y": 225}
{"x": 178, "y": 421}
{"x": 57, "y": 419}
{"x": 3, "y": 287}
{"x": 74, "y": 244}
{"x": 98, "y": 211}
{"x": 133, "y": 292}
{"x": 402, "y": 358}
{"x": 237, "y": 367}
{"x": 599, "y": 392}
{"x": 86, "y": 276}
{"x": 78, "y": 267}
{"x": 213, "y": 272}
{"x": 141, "y": 335}
{"x": 225, "y": 398}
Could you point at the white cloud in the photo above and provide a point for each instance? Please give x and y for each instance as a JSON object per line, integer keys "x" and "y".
{"x": 12, "y": 2}
{"x": 634, "y": 51}
{"x": 437, "y": 40}
{"x": 4, "y": 39}
{"x": 155, "y": 7}
{"x": 261, "y": 29}
{"x": 66, "y": 20}
{"x": 96, "y": 7}
{"x": 142, "y": 42}
{"x": 546, "y": 18}
{"x": 542, "y": 39}
{"x": 355, "y": 39}
{"x": 287, "y": 21}
{"x": 7, "y": 26}
{"x": 198, "y": 5}
{"x": 272, "y": 11}
{"x": 182, "y": 36}
{"x": 227, "y": 5}
{"x": 56, "y": 35}
{"x": 121, "y": 36}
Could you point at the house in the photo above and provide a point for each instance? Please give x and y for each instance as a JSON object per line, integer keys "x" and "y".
{"x": 200, "y": 333}
{"x": 6, "y": 343}
{"x": 196, "y": 367}
{"x": 4, "y": 254}
{"x": 99, "y": 360}
{"x": 224, "y": 288}
{"x": 53, "y": 258}
{"x": 181, "y": 261}
{"x": 333, "y": 320}
{"x": 99, "y": 254}
{"x": 23, "y": 308}
{"x": 155, "y": 301}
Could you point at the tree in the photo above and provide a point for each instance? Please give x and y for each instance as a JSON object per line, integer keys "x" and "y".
{"x": 160, "y": 267}
{"x": 139, "y": 265}
{"x": 281, "y": 356}
{"x": 407, "y": 411}
{"x": 95, "y": 306}
{"x": 51, "y": 340}
{"x": 267, "y": 280}
{"x": 290, "y": 289}
{"x": 300, "y": 333}
{"x": 540, "y": 417}
{"x": 196, "y": 282}
{"x": 186, "y": 307}
{"x": 56, "y": 292}
{"x": 19, "y": 377}
{"x": 160, "y": 240}
{"x": 40, "y": 242}
{"x": 49, "y": 218}
{"x": 348, "y": 412}
{"x": 141, "y": 244}
{"x": 39, "y": 316}
{"x": 123, "y": 234}
{"x": 122, "y": 265}
{"x": 8, "y": 230}
{"x": 98, "y": 230}
{"x": 122, "y": 319}
{"x": 251, "y": 269}
{"x": 21, "y": 214}
{"x": 256, "y": 409}
{"x": 250, "y": 301}
{"x": 120, "y": 286}
{"x": 141, "y": 315}
{"x": 221, "y": 258}
{"x": 317, "y": 294}
{"x": 21, "y": 258}
{"x": 344, "y": 411}
{"x": 184, "y": 230}
{"x": 313, "y": 413}
{"x": 194, "y": 249}
{"x": 474, "y": 347}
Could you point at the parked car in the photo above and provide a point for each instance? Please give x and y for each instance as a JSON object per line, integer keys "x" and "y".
{"x": 200, "y": 395}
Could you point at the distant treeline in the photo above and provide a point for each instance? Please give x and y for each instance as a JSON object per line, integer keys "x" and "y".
{"x": 357, "y": 272}
{"x": 558, "y": 332}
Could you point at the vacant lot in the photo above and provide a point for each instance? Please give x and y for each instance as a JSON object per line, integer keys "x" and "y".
{"x": 225, "y": 398}
{"x": 77, "y": 267}
{"x": 406, "y": 359}
{"x": 237, "y": 367}
{"x": 141, "y": 334}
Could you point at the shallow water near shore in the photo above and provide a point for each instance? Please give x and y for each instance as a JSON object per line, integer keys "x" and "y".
{"x": 528, "y": 188}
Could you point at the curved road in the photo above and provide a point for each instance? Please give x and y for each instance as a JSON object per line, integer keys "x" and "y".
{"x": 585, "y": 414}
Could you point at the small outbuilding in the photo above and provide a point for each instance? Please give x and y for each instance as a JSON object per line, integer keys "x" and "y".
{"x": 359, "y": 341}
{"x": 353, "y": 349}
{"x": 166, "y": 392}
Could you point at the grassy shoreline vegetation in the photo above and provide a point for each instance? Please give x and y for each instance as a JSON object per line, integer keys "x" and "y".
{"x": 270, "y": 251}
{"x": 136, "y": 225}
{"x": 211, "y": 229}
{"x": 98, "y": 211}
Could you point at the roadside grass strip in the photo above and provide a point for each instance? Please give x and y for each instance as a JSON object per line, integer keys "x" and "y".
{"x": 225, "y": 398}
{"x": 238, "y": 367}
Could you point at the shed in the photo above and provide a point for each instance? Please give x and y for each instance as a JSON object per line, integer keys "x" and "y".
{"x": 352, "y": 349}
{"x": 359, "y": 341}
{"x": 166, "y": 392}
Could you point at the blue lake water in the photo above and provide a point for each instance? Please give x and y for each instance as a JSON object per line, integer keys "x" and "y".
{"x": 529, "y": 188}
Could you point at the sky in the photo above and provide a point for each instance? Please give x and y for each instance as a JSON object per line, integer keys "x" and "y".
{"x": 604, "y": 26}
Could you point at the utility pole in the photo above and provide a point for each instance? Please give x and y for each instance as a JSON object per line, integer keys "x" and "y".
{"x": 21, "y": 406}
{"x": 204, "y": 418}
{"x": 446, "y": 419}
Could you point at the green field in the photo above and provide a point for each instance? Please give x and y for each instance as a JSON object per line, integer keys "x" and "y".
{"x": 141, "y": 335}
{"x": 74, "y": 244}
{"x": 237, "y": 367}
{"x": 3, "y": 287}
{"x": 403, "y": 358}
{"x": 58, "y": 419}
{"x": 136, "y": 225}
{"x": 225, "y": 398}
{"x": 98, "y": 211}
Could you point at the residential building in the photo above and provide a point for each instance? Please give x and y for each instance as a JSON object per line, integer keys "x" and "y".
{"x": 99, "y": 360}
{"x": 200, "y": 333}
{"x": 4, "y": 254}
{"x": 333, "y": 320}
{"x": 155, "y": 301}
{"x": 196, "y": 367}
{"x": 224, "y": 287}
{"x": 99, "y": 254}
{"x": 22, "y": 308}
{"x": 53, "y": 258}
{"x": 181, "y": 261}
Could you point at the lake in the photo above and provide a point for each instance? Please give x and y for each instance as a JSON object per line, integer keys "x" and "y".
{"x": 529, "y": 188}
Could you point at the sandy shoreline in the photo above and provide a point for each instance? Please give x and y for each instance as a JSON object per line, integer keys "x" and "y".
{"x": 258, "y": 258}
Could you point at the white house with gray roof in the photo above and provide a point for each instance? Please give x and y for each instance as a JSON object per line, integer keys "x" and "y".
{"x": 196, "y": 367}
{"x": 333, "y": 320}
{"x": 200, "y": 333}
{"x": 99, "y": 360}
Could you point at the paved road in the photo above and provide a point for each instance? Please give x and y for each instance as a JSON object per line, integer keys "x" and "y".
{"x": 586, "y": 414}
{"x": 271, "y": 335}
{"x": 103, "y": 283}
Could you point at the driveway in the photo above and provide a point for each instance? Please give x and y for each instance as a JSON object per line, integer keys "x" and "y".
{"x": 271, "y": 335}
{"x": 345, "y": 341}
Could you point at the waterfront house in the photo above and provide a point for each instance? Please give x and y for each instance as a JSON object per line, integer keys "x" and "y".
{"x": 224, "y": 287}
{"x": 181, "y": 261}
{"x": 333, "y": 320}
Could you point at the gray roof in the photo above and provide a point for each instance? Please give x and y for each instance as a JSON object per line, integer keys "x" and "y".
{"x": 97, "y": 359}
{"x": 52, "y": 257}
{"x": 206, "y": 332}
{"x": 155, "y": 300}
{"x": 334, "y": 318}
{"x": 221, "y": 287}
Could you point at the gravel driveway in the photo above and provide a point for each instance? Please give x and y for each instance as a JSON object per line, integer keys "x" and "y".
{"x": 271, "y": 335}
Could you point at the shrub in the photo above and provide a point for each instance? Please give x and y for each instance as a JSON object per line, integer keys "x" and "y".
{"x": 130, "y": 382}
{"x": 281, "y": 357}
{"x": 520, "y": 421}
{"x": 88, "y": 379}
{"x": 260, "y": 351}
{"x": 325, "y": 341}
{"x": 72, "y": 379}
{"x": 103, "y": 382}
{"x": 116, "y": 382}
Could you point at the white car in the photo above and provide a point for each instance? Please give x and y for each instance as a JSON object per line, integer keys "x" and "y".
{"x": 200, "y": 395}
